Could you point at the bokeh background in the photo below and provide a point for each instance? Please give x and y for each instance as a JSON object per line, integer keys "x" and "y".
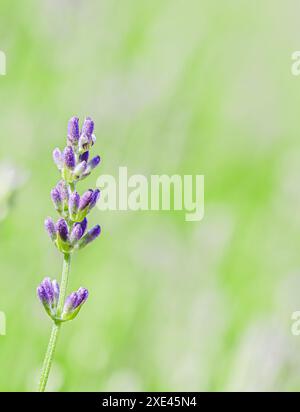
{"x": 188, "y": 87}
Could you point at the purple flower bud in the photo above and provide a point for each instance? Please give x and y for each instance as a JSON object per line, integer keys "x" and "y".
{"x": 95, "y": 198}
{"x": 91, "y": 235}
{"x": 62, "y": 228}
{"x": 91, "y": 165}
{"x": 84, "y": 143}
{"x": 55, "y": 287}
{"x": 76, "y": 233}
{"x": 63, "y": 189}
{"x": 94, "y": 162}
{"x": 48, "y": 288}
{"x": 79, "y": 169}
{"x": 74, "y": 204}
{"x": 50, "y": 228}
{"x": 85, "y": 199}
{"x": 73, "y": 130}
{"x": 70, "y": 303}
{"x": 56, "y": 199}
{"x": 83, "y": 225}
{"x": 88, "y": 127}
{"x": 42, "y": 295}
{"x": 84, "y": 157}
{"x": 48, "y": 293}
{"x": 69, "y": 157}
{"x": 74, "y": 303}
{"x": 82, "y": 295}
{"x": 57, "y": 157}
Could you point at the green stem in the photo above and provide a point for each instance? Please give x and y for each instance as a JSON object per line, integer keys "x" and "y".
{"x": 63, "y": 283}
{"x": 49, "y": 357}
{"x": 56, "y": 326}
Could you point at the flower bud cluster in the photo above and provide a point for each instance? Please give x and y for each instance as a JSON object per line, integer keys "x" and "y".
{"x": 69, "y": 232}
{"x": 73, "y": 162}
{"x": 48, "y": 293}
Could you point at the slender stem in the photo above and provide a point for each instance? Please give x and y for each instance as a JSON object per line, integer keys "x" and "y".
{"x": 56, "y": 326}
{"x": 63, "y": 284}
{"x": 49, "y": 357}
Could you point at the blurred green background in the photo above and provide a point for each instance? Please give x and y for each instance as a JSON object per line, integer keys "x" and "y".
{"x": 187, "y": 87}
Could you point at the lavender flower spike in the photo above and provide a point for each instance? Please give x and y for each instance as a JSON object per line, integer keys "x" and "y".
{"x": 69, "y": 234}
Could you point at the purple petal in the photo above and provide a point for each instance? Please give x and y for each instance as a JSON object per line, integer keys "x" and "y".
{"x": 69, "y": 157}
{"x": 73, "y": 130}
{"x": 88, "y": 127}
{"x": 48, "y": 288}
{"x": 84, "y": 157}
{"x": 94, "y": 162}
{"x": 82, "y": 295}
{"x": 74, "y": 203}
{"x": 62, "y": 228}
{"x": 84, "y": 143}
{"x": 70, "y": 303}
{"x": 63, "y": 189}
{"x": 91, "y": 235}
{"x": 57, "y": 157}
{"x": 80, "y": 168}
{"x": 50, "y": 228}
{"x": 56, "y": 198}
{"x": 85, "y": 199}
{"x": 94, "y": 232}
{"x": 83, "y": 225}
{"x": 76, "y": 233}
{"x": 55, "y": 287}
{"x": 42, "y": 294}
{"x": 95, "y": 198}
